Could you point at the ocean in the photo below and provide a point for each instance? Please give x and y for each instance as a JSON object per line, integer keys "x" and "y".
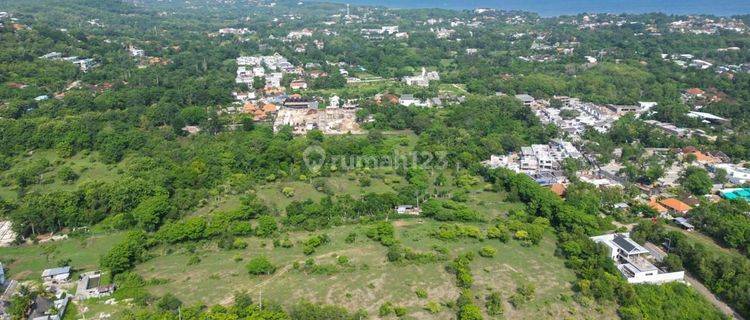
{"x": 548, "y": 8}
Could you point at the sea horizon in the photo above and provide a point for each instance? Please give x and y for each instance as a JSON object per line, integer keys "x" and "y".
{"x": 572, "y": 7}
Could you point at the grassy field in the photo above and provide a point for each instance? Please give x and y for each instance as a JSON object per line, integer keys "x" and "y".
{"x": 27, "y": 262}
{"x": 371, "y": 281}
{"x": 708, "y": 242}
{"x": 85, "y": 165}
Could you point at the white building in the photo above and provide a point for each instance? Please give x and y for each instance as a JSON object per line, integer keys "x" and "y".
{"x": 90, "y": 286}
{"x": 423, "y": 79}
{"x": 7, "y": 235}
{"x": 538, "y": 159}
{"x": 409, "y": 100}
{"x": 700, "y": 64}
{"x": 631, "y": 259}
{"x": 526, "y": 99}
{"x": 135, "y": 52}
{"x": 61, "y": 274}
{"x": 736, "y": 174}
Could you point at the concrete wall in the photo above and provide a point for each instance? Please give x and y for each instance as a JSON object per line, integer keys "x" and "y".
{"x": 658, "y": 278}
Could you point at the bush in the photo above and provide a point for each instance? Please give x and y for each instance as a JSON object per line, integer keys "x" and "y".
{"x": 194, "y": 260}
{"x": 260, "y": 266}
{"x": 499, "y": 232}
{"x": 239, "y": 244}
{"x": 487, "y": 252}
{"x": 494, "y": 304}
{"x": 351, "y": 238}
{"x": 399, "y": 311}
{"x": 433, "y": 307}
{"x": 421, "y": 293}
{"x": 385, "y": 309}
{"x": 288, "y": 192}
{"x": 169, "y": 303}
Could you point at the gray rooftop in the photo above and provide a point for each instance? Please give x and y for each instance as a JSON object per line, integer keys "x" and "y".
{"x": 55, "y": 271}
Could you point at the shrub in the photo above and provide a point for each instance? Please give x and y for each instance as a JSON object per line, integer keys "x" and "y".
{"x": 351, "y": 238}
{"x": 487, "y": 252}
{"x": 193, "y": 260}
{"x": 399, "y": 311}
{"x": 168, "y": 302}
{"x": 385, "y": 309}
{"x": 494, "y": 304}
{"x": 259, "y": 266}
{"x": 432, "y": 307}
{"x": 239, "y": 244}
{"x": 288, "y": 192}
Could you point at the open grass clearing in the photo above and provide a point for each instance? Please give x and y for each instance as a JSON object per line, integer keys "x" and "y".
{"x": 372, "y": 280}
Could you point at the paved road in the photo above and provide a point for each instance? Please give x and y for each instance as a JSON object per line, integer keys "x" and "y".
{"x": 659, "y": 254}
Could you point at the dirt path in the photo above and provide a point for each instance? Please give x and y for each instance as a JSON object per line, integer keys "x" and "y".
{"x": 659, "y": 254}
{"x": 629, "y": 226}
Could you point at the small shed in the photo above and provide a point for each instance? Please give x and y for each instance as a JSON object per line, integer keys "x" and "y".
{"x": 683, "y": 223}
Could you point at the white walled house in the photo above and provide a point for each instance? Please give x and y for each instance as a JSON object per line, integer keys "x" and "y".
{"x": 631, "y": 259}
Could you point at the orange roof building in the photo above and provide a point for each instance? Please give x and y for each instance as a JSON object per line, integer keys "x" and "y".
{"x": 657, "y": 207}
{"x": 258, "y": 113}
{"x": 559, "y": 189}
{"x": 676, "y": 205}
{"x": 695, "y": 92}
{"x": 268, "y": 108}
{"x": 700, "y": 156}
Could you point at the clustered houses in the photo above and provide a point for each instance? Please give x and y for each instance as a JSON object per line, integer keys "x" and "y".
{"x": 84, "y": 64}
{"x": 688, "y": 60}
{"x": 299, "y": 34}
{"x": 444, "y": 33}
{"x": 250, "y": 67}
{"x": 671, "y": 129}
{"x": 135, "y": 52}
{"x": 271, "y": 69}
{"x": 410, "y": 100}
{"x": 702, "y": 25}
{"x": 423, "y": 79}
{"x": 382, "y": 32}
{"x": 43, "y": 308}
{"x": 574, "y": 116}
{"x": 303, "y": 115}
{"x": 543, "y": 162}
{"x": 56, "y": 282}
{"x": 233, "y": 31}
{"x": 634, "y": 261}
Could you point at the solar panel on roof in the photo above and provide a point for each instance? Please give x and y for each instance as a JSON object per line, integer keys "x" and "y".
{"x": 623, "y": 243}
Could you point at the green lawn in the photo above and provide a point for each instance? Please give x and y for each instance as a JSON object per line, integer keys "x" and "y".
{"x": 27, "y": 262}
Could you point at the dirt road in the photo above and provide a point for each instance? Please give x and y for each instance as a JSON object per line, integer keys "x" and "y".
{"x": 659, "y": 254}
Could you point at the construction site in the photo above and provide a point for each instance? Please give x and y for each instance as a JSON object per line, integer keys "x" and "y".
{"x": 328, "y": 121}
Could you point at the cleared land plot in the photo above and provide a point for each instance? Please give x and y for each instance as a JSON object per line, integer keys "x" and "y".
{"x": 372, "y": 280}
{"x": 27, "y": 262}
